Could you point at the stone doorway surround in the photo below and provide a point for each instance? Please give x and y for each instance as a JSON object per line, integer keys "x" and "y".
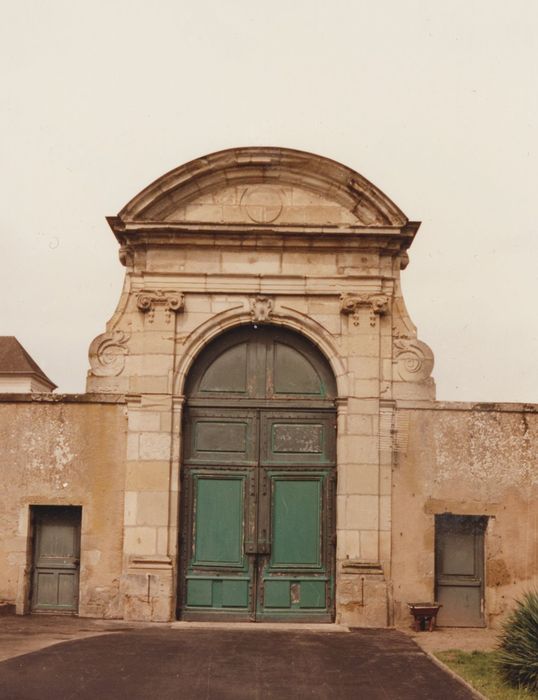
{"x": 250, "y": 236}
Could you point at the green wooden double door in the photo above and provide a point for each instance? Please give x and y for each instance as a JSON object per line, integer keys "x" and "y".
{"x": 258, "y": 497}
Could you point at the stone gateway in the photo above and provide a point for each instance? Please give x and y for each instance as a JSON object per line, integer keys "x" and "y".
{"x": 260, "y": 438}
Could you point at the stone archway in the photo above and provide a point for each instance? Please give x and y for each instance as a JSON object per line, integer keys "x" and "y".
{"x": 258, "y": 480}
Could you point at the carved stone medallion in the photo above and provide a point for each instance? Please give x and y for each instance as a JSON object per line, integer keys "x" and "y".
{"x": 413, "y": 358}
{"x": 107, "y": 354}
{"x": 262, "y": 204}
{"x": 261, "y": 308}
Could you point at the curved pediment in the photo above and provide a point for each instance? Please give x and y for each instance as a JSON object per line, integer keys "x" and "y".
{"x": 263, "y": 186}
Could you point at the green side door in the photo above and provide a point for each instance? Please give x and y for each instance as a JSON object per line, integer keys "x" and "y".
{"x": 56, "y": 558}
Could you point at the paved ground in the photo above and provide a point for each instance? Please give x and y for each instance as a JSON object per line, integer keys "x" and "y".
{"x": 184, "y": 662}
{"x": 464, "y": 638}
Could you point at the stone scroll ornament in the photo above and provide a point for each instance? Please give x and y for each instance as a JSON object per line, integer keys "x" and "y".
{"x": 261, "y": 309}
{"x": 107, "y": 353}
{"x": 351, "y": 304}
{"x": 412, "y": 357}
{"x": 148, "y": 299}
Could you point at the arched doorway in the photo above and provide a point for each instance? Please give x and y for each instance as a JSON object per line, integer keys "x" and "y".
{"x": 258, "y": 480}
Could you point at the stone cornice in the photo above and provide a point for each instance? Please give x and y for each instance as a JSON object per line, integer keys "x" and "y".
{"x": 391, "y": 239}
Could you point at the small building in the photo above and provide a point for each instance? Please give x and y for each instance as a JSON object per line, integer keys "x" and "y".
{"x": 19, "y": 373}
{"x": 260, "y": 438}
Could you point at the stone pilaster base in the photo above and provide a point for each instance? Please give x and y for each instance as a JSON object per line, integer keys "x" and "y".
{"x": 362, "y": 595}
{"x": 148, "y": 590}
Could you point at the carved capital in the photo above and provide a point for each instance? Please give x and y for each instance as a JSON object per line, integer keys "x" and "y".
{"x": 413, "y": 358}
{"x": 107, "y": 354}
{"x": 148, "y": 299}
{"x": 350, "y": 304}
{"x": 261, "y": 308}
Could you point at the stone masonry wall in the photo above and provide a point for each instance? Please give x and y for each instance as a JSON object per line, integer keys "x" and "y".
{"x": 64, "y": 451}
{"x": 467, "y": 460}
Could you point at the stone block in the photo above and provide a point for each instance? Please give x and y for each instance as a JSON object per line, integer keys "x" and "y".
{"x": 369, "y": 543}
{"x": 250, "y": 262}
{"x": 385, "y": 480}
{"x": 162, "y": 540}
{"x": 130, "y": 507}
{"x": 362, "y": 513}
{"x": 348, "y": 545}
{"x": 198, "y": 303}
{"x": 149, "y": 385}
{"x": 359, "y": 424}
{"x": 386, "y": 370}
{"x": 156, "y": 364}
{"x": 331, "y": 322}
{"x": 385, "y": 547}
{"x": 365, "y": 367}
{"x": 362, "y": 601}
{"x": 133, "y": 452}
{"x": 148, "y": 595}
{"x": 358, "y": 449}
{"x": 384, "y": 512}
{"x": 362, "y": 479}
{"x": 341, "y": 502}
{"x": 147, "y": 475}
{"x": 140, "y": 540}
{"x": 363, "y": 343}
{"x": 152, "y": 508}
{"x": 154, "y": 446}
{"x": 144, "y": 421}
{"x": 366, "y": 388}
{"x": 364, "y": 406}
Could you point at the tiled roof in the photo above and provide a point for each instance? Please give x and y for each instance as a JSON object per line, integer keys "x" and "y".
{"x": 15, "y": 360}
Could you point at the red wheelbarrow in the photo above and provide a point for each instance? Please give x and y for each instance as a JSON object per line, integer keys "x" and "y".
{"x": 424, "y": 615}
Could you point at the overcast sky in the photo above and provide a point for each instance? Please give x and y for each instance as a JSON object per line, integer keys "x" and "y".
{"x": 435, "y": 102}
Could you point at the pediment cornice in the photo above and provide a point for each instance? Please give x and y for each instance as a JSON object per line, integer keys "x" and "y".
{"x": 260, "y": 187}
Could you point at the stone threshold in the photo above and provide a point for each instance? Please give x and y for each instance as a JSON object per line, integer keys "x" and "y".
{"x": 262, "y": 626}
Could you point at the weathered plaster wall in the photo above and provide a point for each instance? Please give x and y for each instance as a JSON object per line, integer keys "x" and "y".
{"x": 468, "y": 460}
{"x": 64, "y": 451}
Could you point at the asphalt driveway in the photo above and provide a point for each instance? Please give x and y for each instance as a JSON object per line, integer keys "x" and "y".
{"x": 236, "y": 664}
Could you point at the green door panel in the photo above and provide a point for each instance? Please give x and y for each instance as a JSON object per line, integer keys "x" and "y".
{"x": 221, "y": 437}
{"x": 199, "y": 592}
{"x": 294, "y": 373}
{"x": 277, "y": 594}
{"x": 218, "y": 528}
{"x": 293, "y": 596}
{"x": 297, "y": 438}
{"x": 227, "y": 373}
{"x": 313, "y": 594}
{"x": 296, "y": 527}
{"x": 217, "y": 593}
{"x": 235, "y": 593}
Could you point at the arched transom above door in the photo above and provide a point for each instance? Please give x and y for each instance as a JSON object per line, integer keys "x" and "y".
{"x": 263, "y": 363}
